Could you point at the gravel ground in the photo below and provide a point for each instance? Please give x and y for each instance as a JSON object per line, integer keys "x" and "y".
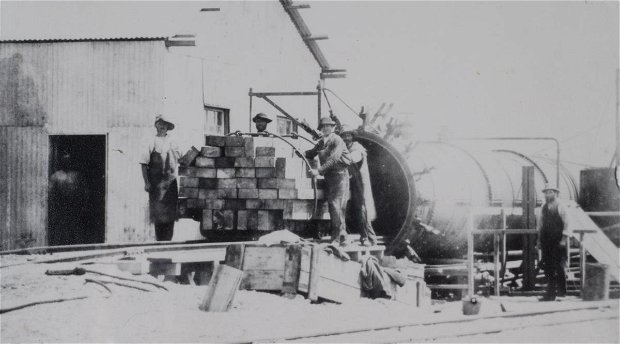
{"x": 129, "y": 315}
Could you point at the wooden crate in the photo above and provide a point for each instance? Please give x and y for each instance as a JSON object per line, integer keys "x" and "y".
{"x": 316, "y": 273}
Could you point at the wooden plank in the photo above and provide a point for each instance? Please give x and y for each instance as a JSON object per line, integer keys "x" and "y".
{"x": 194, "y": 256}
{"x": 335, "y": 290}
{"x": 292, "y": 266}
{"x": 339, "y": 280}
{"x": 314, "y": 273}
{"x": 235, "y": 256}
{"x": 263, "y": 280}
{"x": 264, "y": 258}
{"x": 222, "y": 290}
{"x": 448, "y": 286}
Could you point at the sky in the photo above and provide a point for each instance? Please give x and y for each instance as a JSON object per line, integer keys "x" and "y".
{"x": 462, "y": 68}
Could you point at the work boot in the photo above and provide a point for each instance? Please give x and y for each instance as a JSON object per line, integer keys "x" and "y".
{"x": 343, "y": 241}
{"x": 365, "y": 243}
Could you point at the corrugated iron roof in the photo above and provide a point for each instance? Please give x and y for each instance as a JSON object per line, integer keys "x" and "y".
{"x": 83, "y": 39}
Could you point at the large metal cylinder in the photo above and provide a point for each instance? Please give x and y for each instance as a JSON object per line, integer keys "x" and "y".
{"x": 439, "y": 182}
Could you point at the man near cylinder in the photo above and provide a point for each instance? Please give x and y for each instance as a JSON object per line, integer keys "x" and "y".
{"x": 334, "y": 158}
{"x": 361, "y": 206}
{"x": 159, "y": 171}
{"x": 553, "y": 235}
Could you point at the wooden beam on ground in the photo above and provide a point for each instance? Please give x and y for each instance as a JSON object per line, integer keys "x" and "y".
{"x": 222, "y": 290}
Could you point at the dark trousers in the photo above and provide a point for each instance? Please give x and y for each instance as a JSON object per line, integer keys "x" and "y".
{"x": 554, "y": 258}
{"x": 337, "y": 197}
{"x": 359, "y": 217}
{"x": 164, "y": 231}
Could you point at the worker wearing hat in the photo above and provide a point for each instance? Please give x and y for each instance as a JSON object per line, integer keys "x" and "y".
{"x": 159, "y": 171}
{"x": 260, "y": 121}
{"x": 553, "y": 234}
{"x": 334, "y": 158}
{"x": 361, "y": 206}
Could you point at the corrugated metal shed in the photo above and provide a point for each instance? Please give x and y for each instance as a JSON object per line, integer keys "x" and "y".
{"x": 81, "y": 87}
{"x": 105, "y": 86}
{"x": 23, "y": 187}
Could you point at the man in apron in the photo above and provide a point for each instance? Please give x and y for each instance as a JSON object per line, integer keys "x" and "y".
{"x": 361, "y": 204}
{"x": 159, "y": 171}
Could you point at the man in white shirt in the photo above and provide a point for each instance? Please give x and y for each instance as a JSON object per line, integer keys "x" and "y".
{"x": 159, "y": 171}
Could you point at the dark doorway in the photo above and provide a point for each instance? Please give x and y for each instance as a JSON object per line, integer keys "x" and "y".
{"x": 76, "y": 202}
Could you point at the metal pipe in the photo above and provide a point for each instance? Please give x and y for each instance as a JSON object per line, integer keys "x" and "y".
{"x": 532, "y": 138}
{"x": 297, "y": 136}
{"x": 250, "y": 122}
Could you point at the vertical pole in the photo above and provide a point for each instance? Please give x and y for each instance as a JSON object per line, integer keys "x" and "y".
{"x": 318, "y": 89}
{"x": 617, "y": 117}
{"x": 504, "y": 253}
{"x": 529, "y": 222}
{"x": 470, "y": 254}
{"x": 250, "y": 114}
{"x": 582, "y": 262}
{"x": 496, "y": 258}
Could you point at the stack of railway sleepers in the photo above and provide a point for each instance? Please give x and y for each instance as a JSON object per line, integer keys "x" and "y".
{"x": 236, "y": 186}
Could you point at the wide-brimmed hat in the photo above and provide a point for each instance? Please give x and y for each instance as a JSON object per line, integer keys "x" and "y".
{"x": 261, "y": 116}
{"x": 326, "y": 121}
{"x": 549, "y": 187}
{"x": 165, "y": 120}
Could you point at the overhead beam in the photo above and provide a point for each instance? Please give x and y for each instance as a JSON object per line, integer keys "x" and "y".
{"x": 334, "y": 70}
{"x": 332, "y": 76}
{"x": 304, "y": 31}
{"x": 297, "y": 6}
{"x": 264, "y": 94}
{"x": 315, "y": 38}
{"x": 181, "y": 41}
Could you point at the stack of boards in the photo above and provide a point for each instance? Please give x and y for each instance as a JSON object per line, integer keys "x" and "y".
{"x": 239, "y": 187}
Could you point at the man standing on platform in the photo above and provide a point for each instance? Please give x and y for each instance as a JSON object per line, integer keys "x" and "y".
{"x": 361, "y": 206}
{"x": 553, "y": 236}
{"x": 334, "y": 158}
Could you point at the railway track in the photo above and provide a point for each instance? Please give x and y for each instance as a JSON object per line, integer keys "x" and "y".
{"x": 457, "y": 326}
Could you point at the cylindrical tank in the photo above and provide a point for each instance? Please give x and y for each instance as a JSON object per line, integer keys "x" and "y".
{"x": 439, "y": 182}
